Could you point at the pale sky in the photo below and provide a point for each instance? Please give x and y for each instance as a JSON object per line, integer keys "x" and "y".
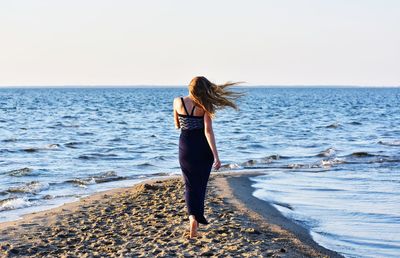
{"x": 167, "y": 42}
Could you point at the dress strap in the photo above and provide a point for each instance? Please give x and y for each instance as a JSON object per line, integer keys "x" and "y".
{"x": 192, "y": 110}
{"x": 183, "y": 103}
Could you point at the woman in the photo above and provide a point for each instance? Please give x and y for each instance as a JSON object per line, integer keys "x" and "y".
{"x": 197, "y": 149}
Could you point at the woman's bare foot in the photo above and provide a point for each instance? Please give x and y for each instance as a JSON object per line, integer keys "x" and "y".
{"x": 193, "y": 226}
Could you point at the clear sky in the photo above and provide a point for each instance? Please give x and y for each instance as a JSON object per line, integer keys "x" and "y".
{"x": 167, "y": 42}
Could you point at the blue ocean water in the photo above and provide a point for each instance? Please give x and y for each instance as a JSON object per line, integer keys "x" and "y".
{"x": 331, "y": 156}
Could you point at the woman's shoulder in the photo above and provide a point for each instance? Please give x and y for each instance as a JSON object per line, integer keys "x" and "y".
{"x": 180, "y": 97}
{"x": 176, "y": 99}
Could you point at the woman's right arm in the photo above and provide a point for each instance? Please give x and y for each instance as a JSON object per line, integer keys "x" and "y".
{"x": 209, "y": 132}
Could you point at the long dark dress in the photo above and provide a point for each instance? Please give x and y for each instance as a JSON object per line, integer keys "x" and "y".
{"x": 196, "y": 159}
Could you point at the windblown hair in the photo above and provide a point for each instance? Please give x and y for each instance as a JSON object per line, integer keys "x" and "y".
{"x": 212, "y": 97}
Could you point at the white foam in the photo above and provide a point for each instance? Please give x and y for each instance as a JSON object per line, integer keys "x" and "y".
{"x": 31, "y": 187}
{"x": 331, "y": 162}
{"x": 14, "y": 203}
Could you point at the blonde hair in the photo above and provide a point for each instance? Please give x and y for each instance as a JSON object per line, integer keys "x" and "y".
{"x": 212, "y": 97}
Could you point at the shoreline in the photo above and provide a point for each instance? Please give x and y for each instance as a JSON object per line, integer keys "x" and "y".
{"x": 239, "y": 224}
{"x": 239, "y": 192}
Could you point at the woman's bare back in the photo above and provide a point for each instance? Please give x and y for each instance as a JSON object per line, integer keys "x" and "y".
{"x": 189, "y": 103}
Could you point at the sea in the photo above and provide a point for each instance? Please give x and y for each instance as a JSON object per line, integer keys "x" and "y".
{"x": 330, "y": 155}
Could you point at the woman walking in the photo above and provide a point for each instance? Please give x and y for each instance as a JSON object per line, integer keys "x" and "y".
{"x": 197, "y": 149}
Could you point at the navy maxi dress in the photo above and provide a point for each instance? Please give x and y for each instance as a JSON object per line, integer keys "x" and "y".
{"x": 196, "y": 160}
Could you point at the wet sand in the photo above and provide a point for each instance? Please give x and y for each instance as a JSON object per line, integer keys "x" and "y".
{"x": 150, "y": 220}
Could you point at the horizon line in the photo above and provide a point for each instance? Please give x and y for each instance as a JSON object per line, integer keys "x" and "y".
{"x": 182, "y": 86}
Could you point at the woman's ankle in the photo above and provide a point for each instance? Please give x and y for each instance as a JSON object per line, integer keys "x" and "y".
{"x": 192, "y": 217}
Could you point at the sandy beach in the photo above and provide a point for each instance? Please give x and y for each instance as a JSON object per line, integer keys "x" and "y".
{"x": 150, "y": 220}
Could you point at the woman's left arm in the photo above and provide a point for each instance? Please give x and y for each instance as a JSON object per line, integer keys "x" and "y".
{"x": 209, "y": 133}
{"x": 176, "y": 120}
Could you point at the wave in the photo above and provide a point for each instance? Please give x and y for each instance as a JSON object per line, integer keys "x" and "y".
{"x": 159, "y": 157}
{"x": 7, "y": 108}
{"x": 258, "y": 163}
{"x": 48, "y": 197}
{"x": 97, "y": 156}
{"x": 230, "y": 166}
{"x": 59, "y": 124}
{"x": 69, "y": 117}
{"x": 361, "y": 154}
{"x": 30, "y": 150}
{"x": 10, "y": 140}
{"x": 325, "y": 163}
{"x": 145, "y": 165}
{"x": 261, "y": 163}
{"x": 363, "y": 157}
{"x": 31, "y": 187}
{"x": 354, "y": 158}
{"x": 108, "y": 176}
{"x": 158, "y": 174}
{"x": 20, "y": 172}
{"x": 264, "y": 160}
{"x": 150, "y": 175}
{"x": 332, "y": 162}
{"x": 284, "y": 205}
{"x": 72, "y": 145}
{"x": 3, "y": 193}
{"x": 334, "y": 125}
{"x": 104, "y": 177}
{"x": 329, "y": 160}
{"x": 7, "y": 151}
{"x": 250, "y": 162}
{"x": 299, "y": 165}
{"x": 271, "y": 158}
{"x": 327, "y": 153}
{"x": 81, "y": 181}
{"x": 53, "y": 146}
{"x": 256, "y": 146}
{"x": 384, "y": 160}
{"x": 85, "y": 133}
{"x": 14, "y": 203}
{"x": 393, "y": 143}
